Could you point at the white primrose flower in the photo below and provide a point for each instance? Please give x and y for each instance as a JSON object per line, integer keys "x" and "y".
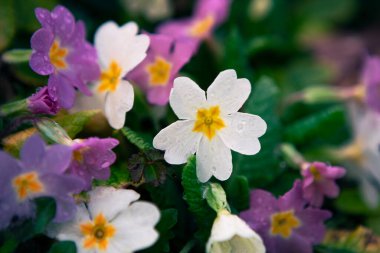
{"x": 362, "y": 156}
{"x": 113, "y": 221}
{"x": 230, "y": 234}
{"x": 210, "y": 127}
{"x": 119, "y": 50}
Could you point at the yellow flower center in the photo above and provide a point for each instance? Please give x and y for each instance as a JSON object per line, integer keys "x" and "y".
{"x": 283, "y": 223}
{"x": 208, "y": 121}
{"x": 110, "y": 78}
{"x": 159, "y": 72}
{"x": 315, "y": 172}
{"x": 57, "y": 55}
{"x": 27, "y": 184}
{"x": 97, "y": 233}
{"x": 201, "y": 27}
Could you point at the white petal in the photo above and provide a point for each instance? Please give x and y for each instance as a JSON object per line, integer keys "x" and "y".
{"x": 230, "y": 228}
{"x": 228, "y": 92}
{"x": 118, "y": 103}
{"x": 369, "y": 192}
{"x": 213, "y": 158}
{"x": 242, "y": 131}
{"x": 71, "y": 230}
{"x": 186, "y": 97}
{"x": 120, "y": 44}
{"x": 178, "y": 140}
{"x": 135, "y": 226}
{"x": 110, "y": 201}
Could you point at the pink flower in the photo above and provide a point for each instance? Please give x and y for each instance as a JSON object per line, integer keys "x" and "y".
{"x": 155, "y": 75}
{"x": 319, "y": 181}
{"x": 207, "y": 16}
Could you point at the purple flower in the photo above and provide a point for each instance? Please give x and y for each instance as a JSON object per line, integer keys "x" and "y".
{"x": 92, "y": 158}
{"x": 319, "y": 181}
{"x": 42, "y": 102}
{"x": 371, "y": 80}
{"x": 285, "y": 224}
{"x": 61, "y": 51}
{"x": 38, "y": 173}
{"x": 207, "y": 16}
{"x": 156, "y": 73}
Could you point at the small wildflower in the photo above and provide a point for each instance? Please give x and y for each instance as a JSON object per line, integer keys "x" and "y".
{"x": 319, "y": 181}
{"x": 371, "y": 81}
{"x": 156, "y": 73}
{"x": 285, "y": 223}
{"x": 112, "y": 221}
{"x": 61, "y": 51}
{"x": 231, "y": 234}
{"x": 210, "y": 127}
{"x": 42, "y": 102}
{"x": 39, "y": 173}
{"x": 120, "y": 50}
{"x": 92, "y": 158}
{"x": 207, "y": 16}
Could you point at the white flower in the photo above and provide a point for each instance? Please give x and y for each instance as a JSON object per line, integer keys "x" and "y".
{"x": 119, "y": 50}
{"x": 210, "y": 127}
{"x": 110, "y": 223}
{"x": 231, "y": 234}
{"x": 362, "y": 156}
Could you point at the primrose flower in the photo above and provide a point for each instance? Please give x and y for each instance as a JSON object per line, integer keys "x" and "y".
{"x": 42, "y": 102}
{"x": 156, "y": 73}
{"x": 371, "y": 81}
{"x": 92, "y": 158}
{"x": 120, "y": 50}
{"x": 319, "y": 181}
{"x": 207, "y": 16}
{"x": 210, "y": 127}
{"x": 231, "y": 234}
{"x": 112, "y": 221}
{"x": 61, "y": 51}
{"x": 285, "y": 223}
{"x": 361, "y": 157}
{"x": 39, "y": 173}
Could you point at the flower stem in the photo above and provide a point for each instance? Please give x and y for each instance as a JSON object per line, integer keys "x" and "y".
{"x": 292, "y": 156}
{"x": 14, "y": 108}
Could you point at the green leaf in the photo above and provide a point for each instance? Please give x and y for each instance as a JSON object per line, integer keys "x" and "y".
{"x": 7, "y": 23}
{"x": 167, "y": 221}
{"x": 262, "y": 168}
{"x": 135, "y": 139}
{"x": 327, "y": 249}
{"x": 74, "y": 123}
{"x": 350, "y": 201}
{"x": 63, "y": 247}
{"x": 193, "y": 195}
{"x": 238, "y": 192}
{"x": 120, "y": 177}
{"x": 327, "y": 126}
{"x": 17, "y": 55}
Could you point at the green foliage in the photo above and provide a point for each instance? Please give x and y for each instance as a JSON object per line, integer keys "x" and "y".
{"x": 327, "y": 126}
{"x": 351, "y": 201}
{"x": 237, "y": 190}
{"x": 74, "y": 123}
{"x": 135, "y": 139}
{"x": 7, "y": 23}
{"x": 193, "y": 195}
{"x": 216, "y": 197}
{"x": 327, "y": 249}
{"x": 262, "y": 168}
{"x": 63, "y": 247}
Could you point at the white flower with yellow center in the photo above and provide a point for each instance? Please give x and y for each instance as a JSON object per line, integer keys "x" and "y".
{"x": 113, "y": 221}
{"x": 120, "y": 50}
{"x": 230, "y": 234}
{"x": 210, "y": 127}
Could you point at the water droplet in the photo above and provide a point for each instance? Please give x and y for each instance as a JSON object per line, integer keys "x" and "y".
{"x": 213, "y": 169}
{"x": 240, "y": 126}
